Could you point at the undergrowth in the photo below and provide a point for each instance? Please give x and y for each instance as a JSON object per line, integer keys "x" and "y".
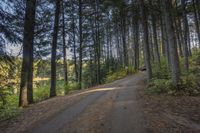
{"x": 119, "y": 74}
{"x": 189, "y": 84}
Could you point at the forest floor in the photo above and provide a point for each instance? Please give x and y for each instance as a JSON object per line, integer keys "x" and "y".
{"x": 118, "y": 107}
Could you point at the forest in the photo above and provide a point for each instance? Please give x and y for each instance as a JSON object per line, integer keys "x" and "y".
{"x": 52, "y": 48}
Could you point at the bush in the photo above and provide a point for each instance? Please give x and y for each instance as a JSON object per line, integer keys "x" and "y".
{"x": 41, "y": 92}
{"x": 189, "y": 85}
{"x": 11, "y": 109}
{"x": 161, "y": 73}
{"x": 7, "y": 112}
{"x": 159, "y": 86}
{"x": 115, "y": 76}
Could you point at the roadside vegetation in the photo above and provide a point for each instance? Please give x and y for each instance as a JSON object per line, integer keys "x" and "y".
{"x": 189, "y": 84}
{"x": 10, "y": 79}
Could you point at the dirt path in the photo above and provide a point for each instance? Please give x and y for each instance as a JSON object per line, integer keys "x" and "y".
{"x": 118, "y": 107}
{"x": 111, "y": 108}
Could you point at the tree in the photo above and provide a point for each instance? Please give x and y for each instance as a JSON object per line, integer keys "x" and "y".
{"x": 27, "y": 63}
{"x": 80, "y": 44}
{"x": 64, "y": 45}
{"x": 196, "y": 20}
{"x": 54, "y": 48}
{"x": 186, "y": 37}
{"x": 174, "y": 59}
{"x": 155, "y": 37}
{"x": 146, "y": 40}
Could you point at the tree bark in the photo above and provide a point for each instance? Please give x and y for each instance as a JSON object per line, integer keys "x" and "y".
{"x": 74, "y": 42}
{"x": 27, "y": 62}
{"x": 186, "y": 37}
{"x": 146, "y": 40}
{"x": 156, "y": 49}
{"x": 174, "y": 59}
{"x": 196, "y": 21}
{"x": 80, "y": 44}
{"x": 53, "y": 50}
{"x": 123, "y": 33}
{"x": 64, "y": 45}
{"x": 136, "y": 43}
{"x": 98, "y": 51}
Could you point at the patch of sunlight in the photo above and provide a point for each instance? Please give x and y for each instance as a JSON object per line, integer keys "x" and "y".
{"x": 94, "y": 90}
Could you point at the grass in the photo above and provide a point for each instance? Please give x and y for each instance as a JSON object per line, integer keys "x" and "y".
{"x": 40, "y": 93}
{"x": 119, "y": 74}
{"x": 11, "y": 109}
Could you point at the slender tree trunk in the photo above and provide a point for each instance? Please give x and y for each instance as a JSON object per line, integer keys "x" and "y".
{"x": 157, "y": 54}
{"x": 196, "y": 20}
{"x": 136, "y": 43}
{"x": 178, "y": 37}
{"x": 26, "y": 71}
{"x": 166, "y": 44}
{"x": 30, "y": 77}
{"x": 198, "y": 10}
{"x": 146, "y": 40}
{"x": 80, "y": 44}
{"x": 64, "y": 45}
{"x": 151, "y": 45}
{"x": 164, "y": 39}
{"x": 186, "y": 37}
{"x": 123, "y": 28}
{"x": 174, "y": 59}
{"x": 74, "y": 42}
{"x": 98, "y": 51}
{"x": 53, "y": 50}
{"x": 179, "y": 33}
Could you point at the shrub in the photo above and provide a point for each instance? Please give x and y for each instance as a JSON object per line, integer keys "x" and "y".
{"x": 162, "y": 72}
{"x": 11, "y": 109}
{"x": 159, "y": 86}
{"x": 115, "y": 76}
{"x": 41, "y": 92}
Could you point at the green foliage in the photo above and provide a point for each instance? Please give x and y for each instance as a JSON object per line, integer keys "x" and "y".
{"x": 189, "y": 84}
{"x": 11, "y": 109}
{"x": 131, "y": 70}
{"x": 161, "y": 73}
{"x": 9, "y": 77}
{"x": 115, "y": 76}
{"x": 41, "y": 92}
{"x": 158, "y": 86}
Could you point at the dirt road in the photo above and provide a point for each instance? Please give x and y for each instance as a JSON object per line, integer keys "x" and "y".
{"x": 111, "y": 108}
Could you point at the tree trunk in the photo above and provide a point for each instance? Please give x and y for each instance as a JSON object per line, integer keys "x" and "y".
{"x": 196, "y": 21}
{"x": 30, "y": 77}
{"x": 174, "y": 59}
{"x": 53, "y": 50}
{"x": 123, "y": 28}
{"x": 178, "y": 37}
{"x": 64, "y": 45}
{"x": 98, "y": 51}
{"x": 136, "y": 43}
{"x": 186, "y": 37}
{"x": 157, "y": 54}
{"x": 74, "y": 42}
{"x": 80, "y": 44}
{"x": 164, "y": 39}
{"x": 146, "y": 40}
{"x": 27, "y": 61}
